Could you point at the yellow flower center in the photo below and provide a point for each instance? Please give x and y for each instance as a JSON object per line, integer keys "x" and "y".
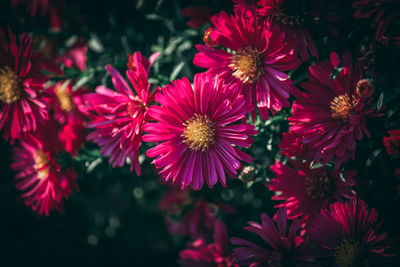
{"x": 64, "y": 98}
{"x": 341, "y": 107}
{"x": 41, "y": 164}
{"x": 10, "y": 86}
{"x": 348, "y": 253}
{"x": 247, "y": 64}
{"x": 318, "y": 186}
{"x": 199, "y": 133}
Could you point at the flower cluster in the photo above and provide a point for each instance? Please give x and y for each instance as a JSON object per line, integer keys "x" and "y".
{"x": 278, "y": 104}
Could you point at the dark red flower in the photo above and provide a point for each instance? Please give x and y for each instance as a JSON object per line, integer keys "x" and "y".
{"x": 307, "y": 190}
{"x": 198, "y": 15}
{"x": 43, "y": 7}
{"x": 198, "y": 221}
{"x": 382, "y": 13}
{"x": 392, "y": 142}
{"x": 291, "y": 14}
{"x": 282, "y": 247}
{"x": 330, "y": 116}
{"x": 292, "y": 145}
{"x": 348, "y": 234}
{"x": 202, "y": 254}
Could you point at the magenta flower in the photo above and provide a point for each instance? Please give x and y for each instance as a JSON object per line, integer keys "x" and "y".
{"x": 282, "y": 248}
{"x": 349, "y": 235}
{"x": 44, "y": 186}
{"x": 201, "y": 254}
{"x": 307, "y": 190}
{"x": 261, "y": 53}
{"x": 22, "y": 108}
{"x": 197, "y": 141}
{"x": 330, "y": 115}
{"x": 118, "y": 117}
{"x": 71, "y": 122}
{"x": 291, "y": 15}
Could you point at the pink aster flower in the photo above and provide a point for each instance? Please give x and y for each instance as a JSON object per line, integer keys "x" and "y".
{"x": 330, "y": 115}
{"x": 291, "y": 14}
{"x": 197, "y": 141}
{"x": 307, "y": 190}
{"x": 282, "y": 247}
{"x": 43, "y": 184}
{"x": 118, "y": 116}
{"x": 382, "y": 13}
{"x": 203, "y": 254}
{"x": 349, "y": 235}
{"x": 22, "y": 109}
{"x": 260, "y": 55}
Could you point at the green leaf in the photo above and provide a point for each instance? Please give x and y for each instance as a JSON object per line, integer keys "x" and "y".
{"x": 177, "y": 69}
{"x": 380, "y": 102}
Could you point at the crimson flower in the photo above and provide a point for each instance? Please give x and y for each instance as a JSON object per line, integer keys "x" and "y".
{"x": 198, "y": 15}
{"x": 259, "y": 54}
{"x": 282, "y": 248}
{"x": 330, "y": 115}
{"x": 291, "y": 14}
{"x": 22, "y": 108}
{"x": 307, "y": 190}
{"x": 392, "y": 142}
{"x": 348, "y": 234}
{"x": 292, "y": 145}
{"x": 43, "y": 7}
{"x": 118, "y": 116}
{"x": 66, "y": 104}
{"x": 196, "y": 140}
{"x": 382, "y": 13}
{"x": 43, "y": 184}
{"x": 202, "y": 254}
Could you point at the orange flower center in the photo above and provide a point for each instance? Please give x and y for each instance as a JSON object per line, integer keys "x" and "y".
{"x": 10, "y": 86}
{"x": 64, "y": 97}
{"x": 41, "y": 164}
{"x": 318, "y": 186}
{"x": 348, "y": 253}
{"x": 199, "y": 133}
{"x": 341, "y": 107}
{"x": 248, "y": 64}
